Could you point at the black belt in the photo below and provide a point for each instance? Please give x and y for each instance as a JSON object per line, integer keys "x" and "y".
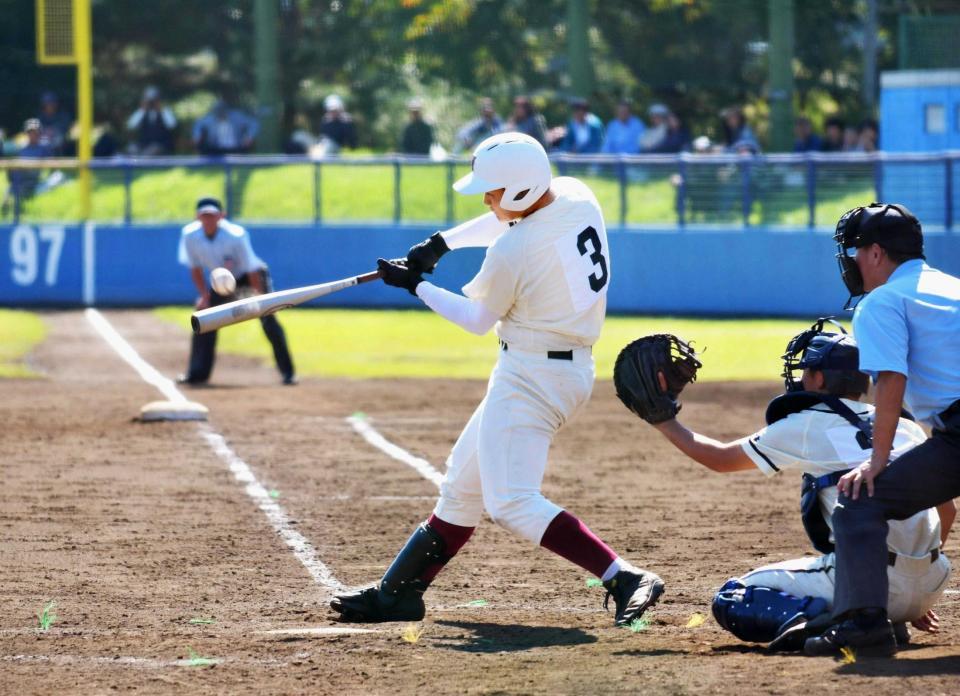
{"x": 951, "y": 411}
{"x": 552, "y": 354}
{"x": 892, "y": 557}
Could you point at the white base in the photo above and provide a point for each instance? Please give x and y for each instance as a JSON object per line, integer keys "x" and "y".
{"x": 173, "y": 411}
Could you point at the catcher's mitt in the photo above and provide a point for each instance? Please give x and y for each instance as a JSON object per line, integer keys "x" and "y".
{"x": 637, "y": 375}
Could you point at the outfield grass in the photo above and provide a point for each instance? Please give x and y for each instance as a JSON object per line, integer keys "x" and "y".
{"x": 412, "y": 343}
{"x": 351, "y": 192}
{"x": 19, "y": 333}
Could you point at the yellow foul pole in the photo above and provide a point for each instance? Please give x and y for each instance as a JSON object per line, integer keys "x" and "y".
{"x": 84, "y": 51}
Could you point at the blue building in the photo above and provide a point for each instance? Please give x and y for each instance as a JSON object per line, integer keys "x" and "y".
{"x": 920, "y": 110}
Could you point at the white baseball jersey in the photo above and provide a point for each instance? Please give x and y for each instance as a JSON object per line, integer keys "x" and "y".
{"x": 547, "y": 278}
{"x": 818, "y": 441}
{"x": 547, "y": 275}
{"x": 229, "y": 248}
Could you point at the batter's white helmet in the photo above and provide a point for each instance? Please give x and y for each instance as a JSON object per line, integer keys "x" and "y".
{"x": 512, "y": 161}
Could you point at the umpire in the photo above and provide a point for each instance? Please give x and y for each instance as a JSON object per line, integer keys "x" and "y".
{"x": 908, "y": 329}
{"x": 211, "y": 242}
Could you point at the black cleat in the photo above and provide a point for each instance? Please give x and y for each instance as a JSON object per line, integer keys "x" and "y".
{"x": 793, "y": 636}
{"x": 370, "y": 605}
{"x": 876, "y": 641}
{"x": 190, "y": 381}
{"x": 633, "y": 591}
{"x": 290, "y": 380}
{"x": 902, "y": 633}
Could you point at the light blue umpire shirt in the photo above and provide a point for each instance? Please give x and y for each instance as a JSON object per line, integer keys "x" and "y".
{"x": 229, "y": 248}
{"x": 911, "y": 325}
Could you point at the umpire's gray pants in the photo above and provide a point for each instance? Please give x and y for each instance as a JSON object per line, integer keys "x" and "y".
{"x": 922, "y": 478}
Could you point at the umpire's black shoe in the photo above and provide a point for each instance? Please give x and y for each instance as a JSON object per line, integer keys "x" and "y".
{"x": 370, "y": 605}
{"x": 876, "y": 640}
{"x": 190, "y": 381}
{"x": 633, "y": 591}
{"x": 290, "y": 380}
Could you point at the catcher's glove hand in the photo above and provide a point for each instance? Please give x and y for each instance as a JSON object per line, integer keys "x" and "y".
{"x": 651, "y": 372}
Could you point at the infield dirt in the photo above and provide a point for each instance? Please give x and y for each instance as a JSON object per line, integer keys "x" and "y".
{"x": 142, "y": 537}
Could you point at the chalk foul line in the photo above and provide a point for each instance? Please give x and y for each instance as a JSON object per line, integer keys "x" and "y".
{"x": 362, "y": 426}
{"x": 302, "y": 549}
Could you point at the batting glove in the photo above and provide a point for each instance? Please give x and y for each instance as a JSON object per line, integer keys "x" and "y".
{"x": 396, "y": 273}
{"x": 423, "y": 257}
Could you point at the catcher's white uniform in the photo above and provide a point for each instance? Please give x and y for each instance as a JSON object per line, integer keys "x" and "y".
{"x": 818, "y": 441}
{"x": 546, "y": 278}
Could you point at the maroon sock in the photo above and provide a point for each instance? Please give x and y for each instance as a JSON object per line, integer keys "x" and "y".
{"x": 454, "y": 537}
{"x": 570, "y": 538}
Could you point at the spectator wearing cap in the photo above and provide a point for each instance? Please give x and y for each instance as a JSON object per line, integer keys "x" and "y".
{"x": 738, "y": 135}
{"x": 623, "y": 132}
{"x": 655, "y": 135}
{"x": 479, "y": 129}
{"x": 525, "y": 119}
{"x": 55, "y": 125}
{"x": 805, "y": 140}
{"x": 23, "y": 182}
{"x": 833, "y": 135}
{"x": 584, "y": 133}
{"x": 337, "y": 126}
{"x": 154, "y": 125}
{"x": 417, "y": 134}
{"x": 225, "y": 131}
{"x": 209, "y": 242}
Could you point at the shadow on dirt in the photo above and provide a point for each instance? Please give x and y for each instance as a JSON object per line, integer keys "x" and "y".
{"x": 908, "y": 667}
{"x": 495, "y": 637}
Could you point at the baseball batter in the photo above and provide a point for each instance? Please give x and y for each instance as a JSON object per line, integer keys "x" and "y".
{"x": 820, "y": 429}
{"x": 209, "y": 242}
{"x": 543, "y": 284}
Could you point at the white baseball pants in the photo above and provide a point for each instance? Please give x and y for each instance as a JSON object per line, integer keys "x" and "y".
{"x": 499, "y": 460}
{"x": 916, "y": 584}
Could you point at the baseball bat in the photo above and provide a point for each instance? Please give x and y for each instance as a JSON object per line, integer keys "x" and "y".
{"x": 257, "y": 306}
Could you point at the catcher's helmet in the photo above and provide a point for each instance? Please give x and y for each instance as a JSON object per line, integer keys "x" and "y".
{"x": 512, "y": 161}
{"x": 834, "y": 354}
{"x": 890, "y": 225}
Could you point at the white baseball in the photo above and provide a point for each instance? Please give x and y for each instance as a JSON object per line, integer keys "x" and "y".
{"x": 222, "y": 281}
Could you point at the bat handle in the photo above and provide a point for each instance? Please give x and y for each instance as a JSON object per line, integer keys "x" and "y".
{"x": 367, "y": 277}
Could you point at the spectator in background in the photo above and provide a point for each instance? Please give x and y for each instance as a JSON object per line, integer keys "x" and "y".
{"x": 738, "y": 135}
{"x": 23, "y": 182}
{"x": 153, "y": 124}
{"x": 525, "y": 119}
{"x": 677, "y": 138}
{"x": 584, "y": 132}
{"x": 833, "y": 140}
{"x": 417, "y": 134}
{"x": 225, "y": 131}
{"x": 55, "y": 124}
{"x": 301, "y": 140}
{"x": 337, "y": 126}
{"x": 805, "y": 140}
{"x": 655, "y": 135}
{"x": 851, "y": 139}
{"x": 473, "y": 132}
{"x": 869, "y": 136}
{"x": 623, "y": 132}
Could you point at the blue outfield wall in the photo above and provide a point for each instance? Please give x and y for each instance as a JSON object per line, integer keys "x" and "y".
{"x": 730, "y": 271}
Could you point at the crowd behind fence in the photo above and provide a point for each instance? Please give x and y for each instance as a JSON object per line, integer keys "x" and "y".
{"x": 776, "y": 190}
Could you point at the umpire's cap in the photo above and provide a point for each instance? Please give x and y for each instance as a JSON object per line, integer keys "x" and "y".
{"x": 209, "y": 204}
{"x": 891, "y": 225}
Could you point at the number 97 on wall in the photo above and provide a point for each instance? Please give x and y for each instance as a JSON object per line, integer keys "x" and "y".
{"x": 35, "y": 254}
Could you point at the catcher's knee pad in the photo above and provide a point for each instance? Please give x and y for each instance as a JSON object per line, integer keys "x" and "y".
{"x": 424, "y": 548}
{"x": 758, "y": 614}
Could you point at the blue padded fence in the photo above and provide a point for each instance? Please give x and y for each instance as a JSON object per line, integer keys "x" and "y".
{"x": 729, "y": 271}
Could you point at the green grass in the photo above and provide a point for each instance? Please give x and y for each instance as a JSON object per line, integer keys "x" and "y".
{"x": 411, "y": 343}
{"x": 19, "y": 333}
{"x": 351, "y": 192}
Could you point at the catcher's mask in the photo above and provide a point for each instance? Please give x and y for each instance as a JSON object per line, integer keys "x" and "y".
{"x": 834, "y": 354}
{"x": 890, "y": 225}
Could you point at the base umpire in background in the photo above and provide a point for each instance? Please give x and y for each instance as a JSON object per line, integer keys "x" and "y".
{"x": 908, "y": 329}
{"x": 211, "y": 242}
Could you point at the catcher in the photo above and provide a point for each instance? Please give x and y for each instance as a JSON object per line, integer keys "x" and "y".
{"x": 820, "y": 428}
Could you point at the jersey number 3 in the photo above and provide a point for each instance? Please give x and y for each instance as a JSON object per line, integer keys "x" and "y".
{"x": 590, "y": 235}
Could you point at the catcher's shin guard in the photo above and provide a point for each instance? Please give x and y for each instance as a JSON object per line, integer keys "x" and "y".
{"x": 399, "y": 596}
{"x": 761, "y": 614}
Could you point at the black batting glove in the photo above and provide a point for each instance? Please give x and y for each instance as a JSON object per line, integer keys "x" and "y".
{"x": 423, "y": 257}
{"x": 395, "y": 273}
